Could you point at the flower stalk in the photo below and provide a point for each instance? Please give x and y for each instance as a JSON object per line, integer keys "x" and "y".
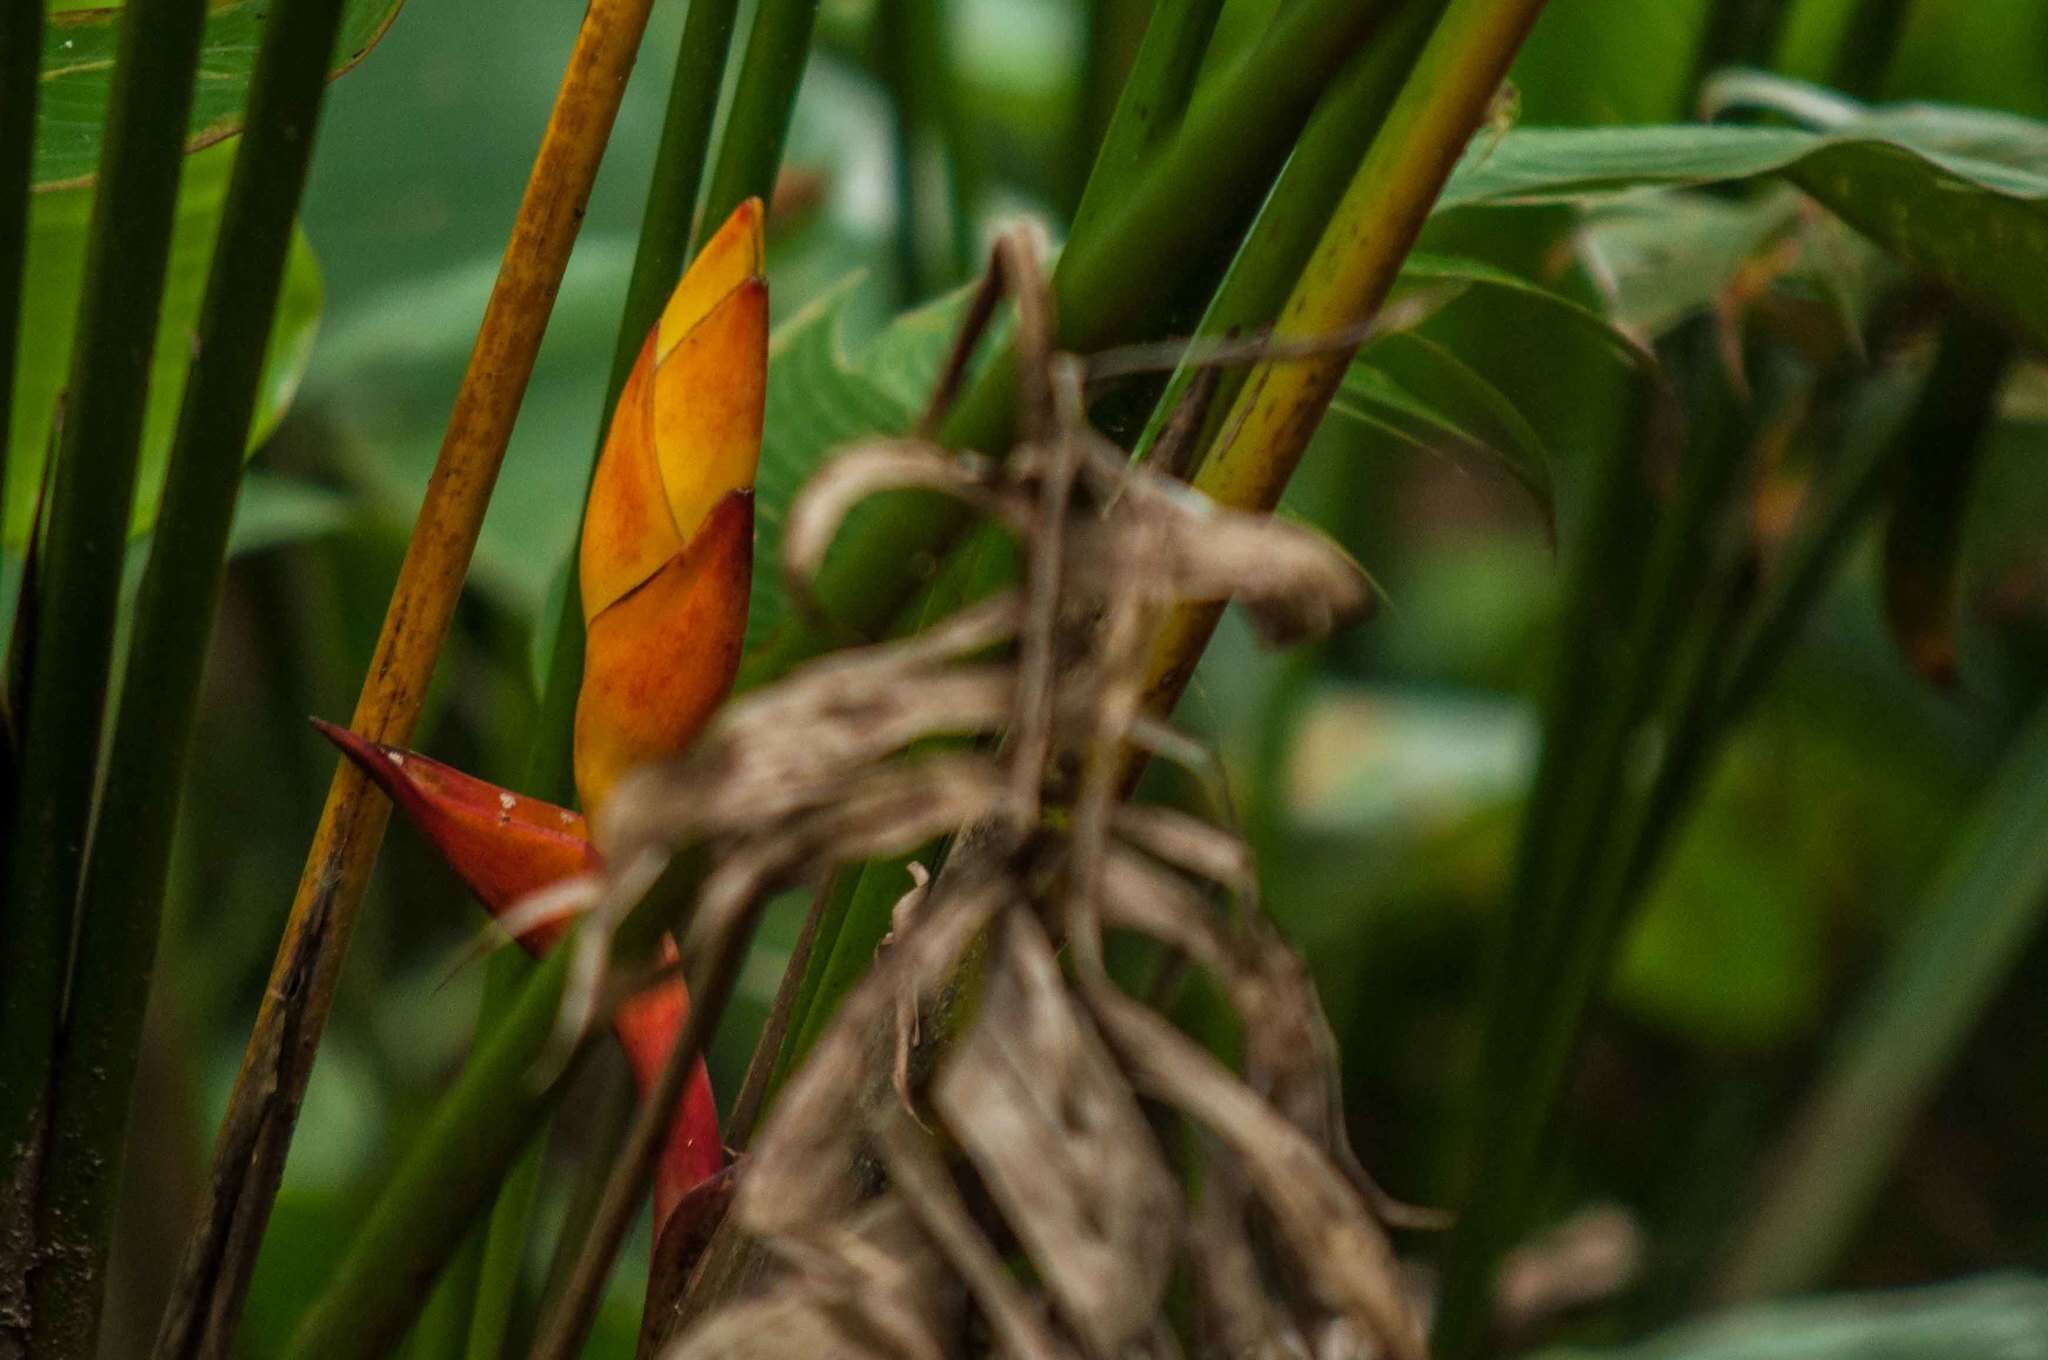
{"x": 256, "y": 1133}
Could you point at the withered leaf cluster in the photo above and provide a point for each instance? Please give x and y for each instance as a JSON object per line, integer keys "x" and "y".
{"x": 996, "y": 1147}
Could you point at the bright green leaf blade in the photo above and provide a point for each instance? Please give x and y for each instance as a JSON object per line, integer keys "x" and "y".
{"x": 57, "y": 230}
{"x": 1959, "y": 194}
{"x": 78, "y": 66}
{"x": 1986, "y": 152}
{"x": 1995, "y": 1317}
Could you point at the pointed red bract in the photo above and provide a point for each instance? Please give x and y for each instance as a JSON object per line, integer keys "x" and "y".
{"x": 505, "y": 846}
{"x": 501, "y": 845}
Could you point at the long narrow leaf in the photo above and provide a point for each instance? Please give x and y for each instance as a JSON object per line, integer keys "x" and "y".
{"x": 1957, "y": 194}
{"x": 21, "y": 37}
{"x": 80, "y": 576}
{"x": 122, "y": 902}
{"x": 1982, "y": 909}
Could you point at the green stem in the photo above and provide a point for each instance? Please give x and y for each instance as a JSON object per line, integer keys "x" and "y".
{"x": 1107, "y": 286}
{"x": 1344, "y": 282}
{"x": 933, "y": 162}
{"x": 1111, "y": 33}
{"x": 491, "y": 1291}
{"x": 448, "y": 1173}
{"x": 1923, "y": 541}
{"x": 1868, "y": 45}
{"x": 1566, "y": 905}
{"x": 503, "y": 1266}
{"x": 21, "y": 49}
{"x": 562, "y": 1333}
{"x": 478, "y": 1131}
{"x": 1154, "y": 97}
{"x": 1194, "y": 194}
{"x": 606, "y": 1101}
{"x": 127, "y": 252}
{"x": 750, "y": 153}
{"x": 1290, "y": 223}
{"x": 443, "y": 1329}
{"x": 1738, "y": 33}
{"x": 1949, "y": 415}
{"x": 122, "y": 904}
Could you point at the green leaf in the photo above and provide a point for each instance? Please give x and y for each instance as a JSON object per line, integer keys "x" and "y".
{"x": 1495, "y": 424}
{"x": 1988, "y": 152}
{"x": 1991, "y": 1317}
{"x": 273, "y": 512}
{"x": 1662, "y": 259}
{"x": 78, "y": 67}
{"x": 1423, "y": 268}
{"x": 56, "y": 264}
{"x": 1923, "y": 541}
{"x": 1959, "y": 194}
{"x": 819, "y": 398}
{"x": 1423, "y": 393}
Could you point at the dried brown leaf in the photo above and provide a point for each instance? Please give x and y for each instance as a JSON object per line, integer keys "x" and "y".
{"x": 1041, "y": 1110}
{"x": 895, "y": 809}
{"x": 807, "y": 1157}
{"x": 1344, "y": 1256}
{"x": 872, "y": 1290}
{"x": 922, "y": 1182}
{"x": 1172, "y": 545}
{"x": 1234, "y": 1314}
{"x": 864, "y": 470}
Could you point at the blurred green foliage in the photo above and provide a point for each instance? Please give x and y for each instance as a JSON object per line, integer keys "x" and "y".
{"x": 1381, "y": 777}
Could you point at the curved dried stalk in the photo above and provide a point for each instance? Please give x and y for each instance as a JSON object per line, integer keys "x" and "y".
{"x": 256, "y": 1132}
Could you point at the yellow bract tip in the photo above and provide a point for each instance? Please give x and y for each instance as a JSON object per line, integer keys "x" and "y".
{"x": 728, "y": 258}
{"x": 687, "y": 430}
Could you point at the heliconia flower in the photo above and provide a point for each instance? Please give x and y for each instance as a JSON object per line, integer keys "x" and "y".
{"x": 666, "y": 566}
{"x": 504, "y": 847}
{"x": 667, "y": 555}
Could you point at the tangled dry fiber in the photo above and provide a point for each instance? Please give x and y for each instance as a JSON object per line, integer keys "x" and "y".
{"x": 996, "y": 1147}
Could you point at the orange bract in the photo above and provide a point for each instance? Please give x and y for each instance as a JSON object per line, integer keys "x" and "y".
{"x": 666, "y": 559}
{"x": 505, "y": 847}
{"x": 667, "y": 566}
{"x": 658, "y": 662}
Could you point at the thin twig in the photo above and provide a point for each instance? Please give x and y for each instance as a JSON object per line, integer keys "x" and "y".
{"x": 746, "y": 1106}
{"x": 561, "y": 1334}
{"x": 1165, "y": 356}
